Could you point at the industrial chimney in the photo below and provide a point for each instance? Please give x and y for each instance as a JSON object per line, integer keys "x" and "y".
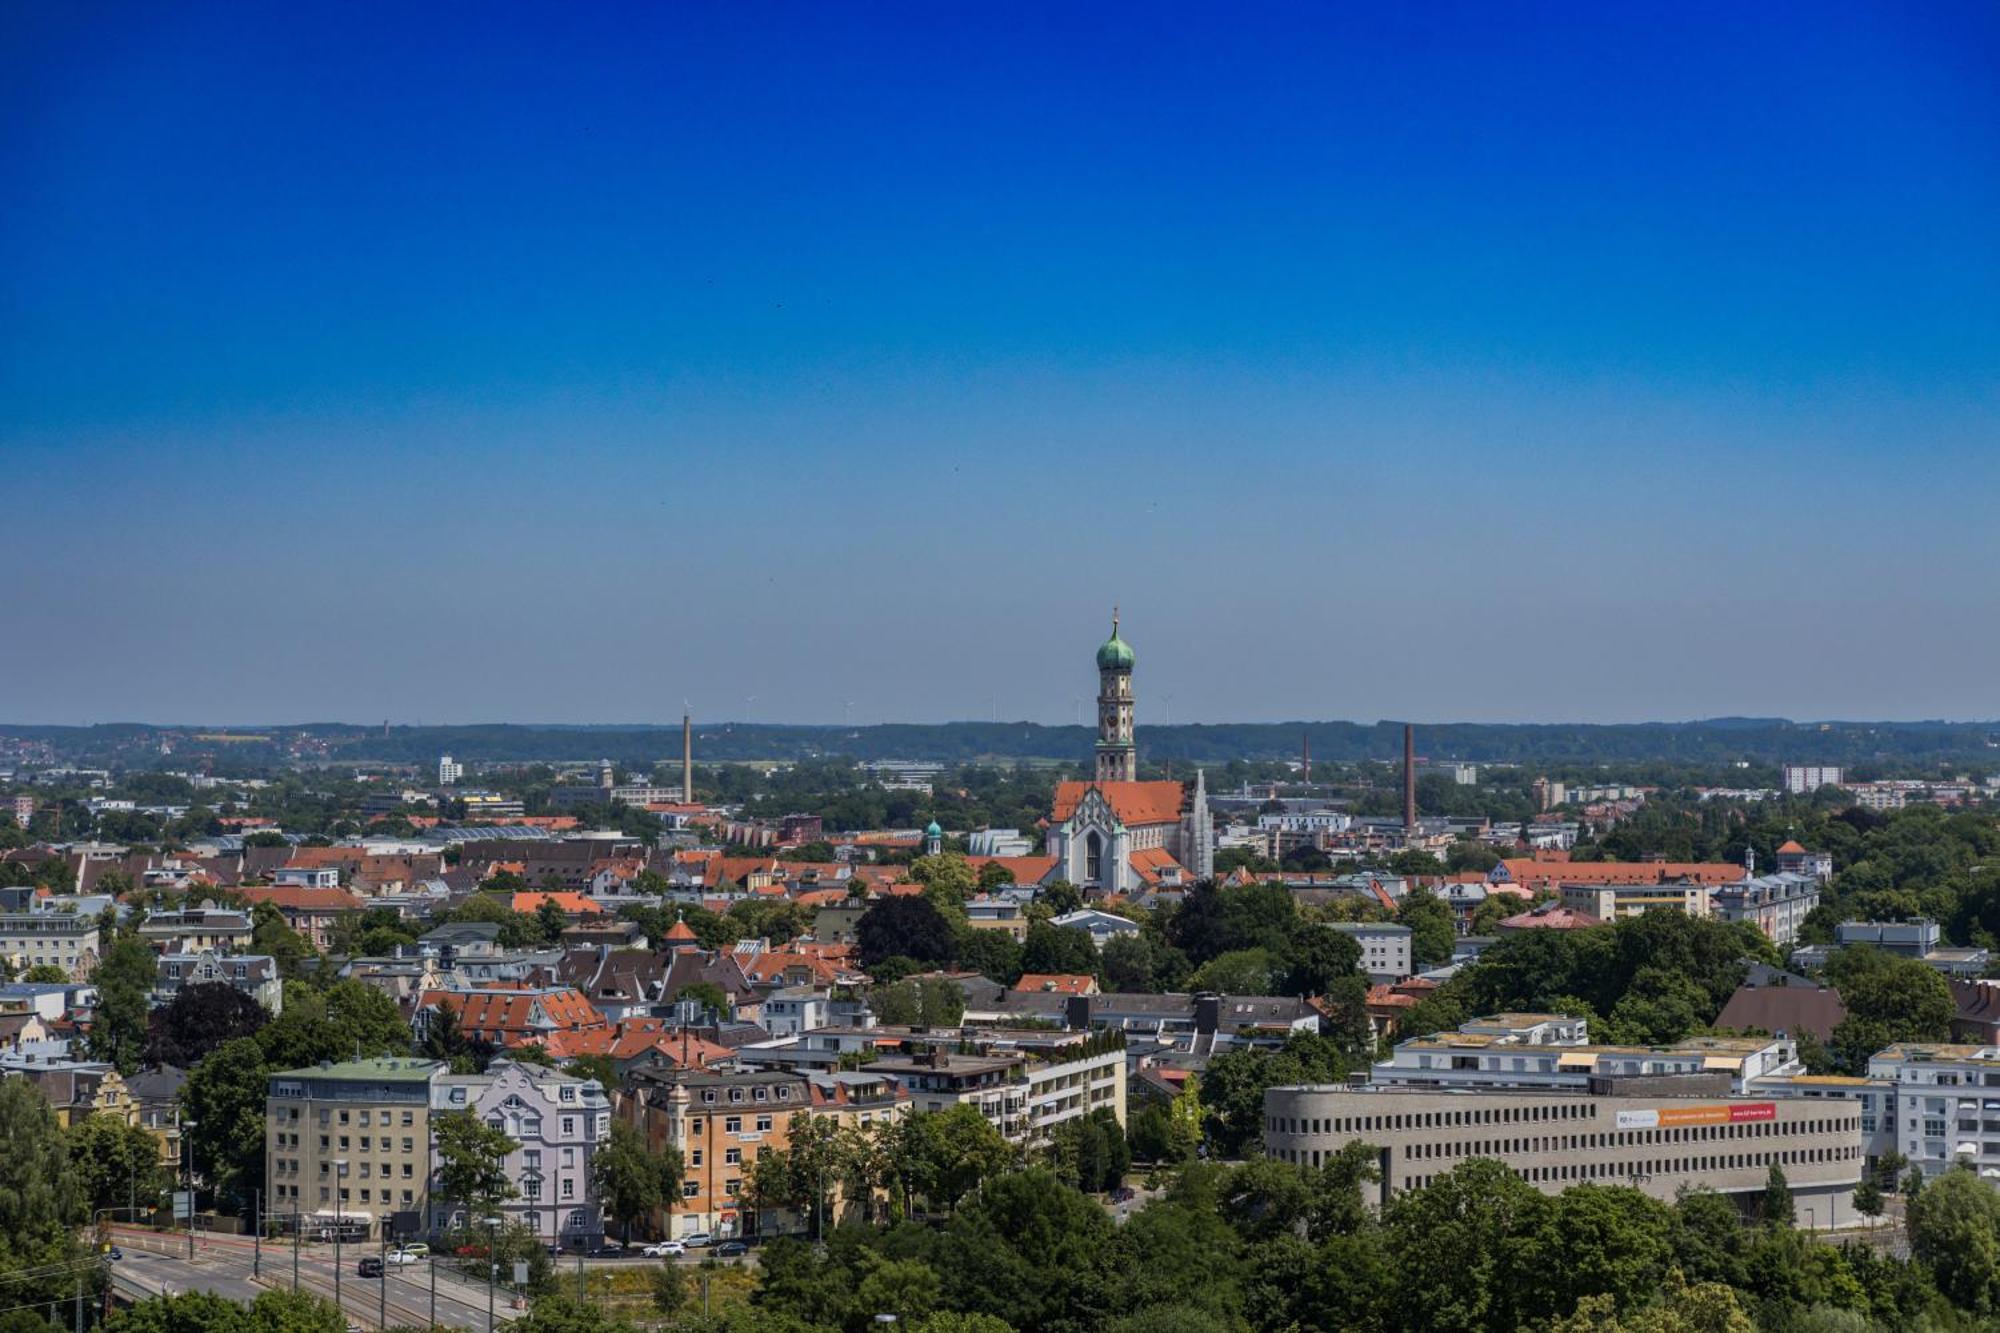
{"x": 1409, "y": 778}
{"x": 687, "y": 759}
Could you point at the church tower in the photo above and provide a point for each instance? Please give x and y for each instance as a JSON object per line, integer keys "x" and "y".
{"x": 1197, "y": 849}
{"x": 1117, "y": 755}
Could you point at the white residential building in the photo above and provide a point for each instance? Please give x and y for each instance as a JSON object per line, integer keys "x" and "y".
{"x": 1804, "y": 779}
{"x": 449, "y": 771}
{"x": 1385, "y": 947}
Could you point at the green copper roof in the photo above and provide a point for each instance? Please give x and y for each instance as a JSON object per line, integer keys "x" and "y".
{"x": 933, "y": 830}
{"x": 1116, "y": 654}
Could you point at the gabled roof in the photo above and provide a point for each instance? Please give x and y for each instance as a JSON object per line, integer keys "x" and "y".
{"x": 1133, "y": 802}
{"x": 1151, "y": 864}
{"x": 1543, "y": 872}
{"x": 1791, "y": 848}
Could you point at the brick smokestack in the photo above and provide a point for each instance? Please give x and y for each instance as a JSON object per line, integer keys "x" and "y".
{"x": 1409, "y": 778}
{"x": 687, "y": 759}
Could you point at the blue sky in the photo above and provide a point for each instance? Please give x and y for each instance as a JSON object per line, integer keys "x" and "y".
{"x": 560, "y": 363}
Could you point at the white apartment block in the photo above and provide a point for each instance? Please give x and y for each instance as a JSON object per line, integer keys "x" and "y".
{"x": 1385, "y": 947}
{"x": 1803, "y": 779}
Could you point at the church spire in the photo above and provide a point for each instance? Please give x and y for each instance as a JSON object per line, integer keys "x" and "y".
{"x": 1117, "y": 754}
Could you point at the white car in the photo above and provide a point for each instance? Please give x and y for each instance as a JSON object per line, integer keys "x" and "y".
{"x": 664, "y": 1249}
{"x": 400, "y": 1257}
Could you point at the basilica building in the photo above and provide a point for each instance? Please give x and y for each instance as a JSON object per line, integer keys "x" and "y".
{"x": 1116, "y": 834}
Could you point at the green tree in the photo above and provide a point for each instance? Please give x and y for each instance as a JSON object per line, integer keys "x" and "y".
{"x": 1128, "y": 964}
{"x": 42, "y": 1201}
{"x": 1318, "y": 960}
{"x": 224, "y": 1096}
{"x": 900, "y": 926}
{"x": 1432, "y": 933}
{"x": 943, "y": 1155}
{"x": 1775, "y": 1209}
{"x": 1062, "y": 950}
{"x": 930, "y": 1001}
{"x": 1463, "y": 1244}
{"x": 124, "y": 981}
{"x": 115, "y": 1163}
{"x": 1954, "y": 1227}
{"x": 707, "y": 994}
{"x": 669, "y": 1286}
{"x": 558, "y": 1312}
{"x": 1238, "y": 972}
{"x": 471, "y": 1163}
{"x": 271, "y": 935}
{"x": 550, "y": 920}
{"x": 630, "y": 1180}
{"x": 1868, "y": 1197}
{"x": 1031, "y": 1251}
{"x": 45, "y": 974}
{"x": 948, "y": 882}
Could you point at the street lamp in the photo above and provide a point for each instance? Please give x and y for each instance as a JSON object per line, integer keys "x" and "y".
{"x": 187, "y": 1169}
{"x": 492, "y": 1265}
{"x": 339, "y": 1174}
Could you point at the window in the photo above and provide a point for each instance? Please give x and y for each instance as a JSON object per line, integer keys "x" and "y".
{"x": 733, "y": 1125}
{"x": 732, "y": 1157}
{"x": 569, "y": 1126}
{"x": 763, "y": 1124}
{"x": 694, "y": 1159}
{"x": 689, "y": 1188}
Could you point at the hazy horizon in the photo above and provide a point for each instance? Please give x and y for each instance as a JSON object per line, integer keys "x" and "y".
{"x": 803, "y": 362}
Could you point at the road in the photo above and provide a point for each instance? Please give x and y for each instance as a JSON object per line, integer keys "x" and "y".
{"x": 154, "y": 1263}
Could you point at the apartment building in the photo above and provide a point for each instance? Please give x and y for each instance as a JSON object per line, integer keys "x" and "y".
{"x": 1024, "y": 1092}
{"x": 1659, "y": 1145}
{"x": 349, "y": 1144}
{"x": 557, "y": 1123}
{"x": 194, "y": 930}
{"x": 1946, "y": 1101}
{"x": 1385, "y": 947}
{"x": 720, "y": 1123}
{"x": 67, "y": 940}
{"x": 1803, "y": 779}
{"x": 1609, "y": 902}
{"x": 1776, "y": 904}
{"x": 1548, "y": 1052}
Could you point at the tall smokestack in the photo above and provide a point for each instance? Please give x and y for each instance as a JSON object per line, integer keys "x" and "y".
{"x": 1306, "y": 745}
{"x": 687, "y": 759}
{"x": 1409, "y": 778}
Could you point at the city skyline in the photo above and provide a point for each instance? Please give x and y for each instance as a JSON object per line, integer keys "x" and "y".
{"x": 812, "y": 365}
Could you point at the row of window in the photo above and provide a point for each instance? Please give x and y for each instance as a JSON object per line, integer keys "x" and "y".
{"x": 1566, "y": 1173}
{"x": 1354, "y": 1125}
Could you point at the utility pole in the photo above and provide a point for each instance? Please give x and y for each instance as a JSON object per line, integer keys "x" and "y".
{"x": 257, "y": 1236}
{"x": 296, "y": 1228}
{"x": 382, "y": 1308}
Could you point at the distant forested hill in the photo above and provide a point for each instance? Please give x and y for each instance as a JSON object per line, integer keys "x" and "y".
{"x": 1717, "y": 741}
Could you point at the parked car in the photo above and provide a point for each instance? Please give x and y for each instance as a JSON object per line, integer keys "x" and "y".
{"x": 697, "y": 1240}
{"x": 416, "y": 1247}
{"x": 369, "y": 1267}
{"x": 664, "y": 1249}
{"x": 731, "y": 1249}
{"x": 607, "y": 1251}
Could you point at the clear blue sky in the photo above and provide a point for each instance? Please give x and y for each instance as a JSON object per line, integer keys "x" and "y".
{"x": 1438, "y": 361}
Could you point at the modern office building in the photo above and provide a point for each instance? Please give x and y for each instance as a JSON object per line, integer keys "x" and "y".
{"x": 1659, "y": 1145}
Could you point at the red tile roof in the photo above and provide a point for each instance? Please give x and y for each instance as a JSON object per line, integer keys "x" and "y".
{"x": 289, "y": 898}
{"x": 1790, "y": 847}
{"x": 1548, "y": 873}
{"x": 1132, "y": 802}
{"x": 1056, "y": 983}
{"x": 1025, "y": 869}
{"x": 573, "y": 903}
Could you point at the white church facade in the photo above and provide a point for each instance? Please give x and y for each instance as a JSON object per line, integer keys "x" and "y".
{"x": 1116, "y": 835}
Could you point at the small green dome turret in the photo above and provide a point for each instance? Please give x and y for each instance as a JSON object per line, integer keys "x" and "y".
{"x": 1116, "y": 654}
{"x": 934, "y": 830}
